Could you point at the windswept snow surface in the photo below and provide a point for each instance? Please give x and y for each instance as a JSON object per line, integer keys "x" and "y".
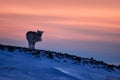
{"x": 21, "y": 66}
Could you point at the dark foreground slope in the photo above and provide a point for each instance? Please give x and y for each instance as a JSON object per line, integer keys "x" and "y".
{"x": 18, "y": 63}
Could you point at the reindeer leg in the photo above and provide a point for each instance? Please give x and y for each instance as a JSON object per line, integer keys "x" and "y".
{"x": 28, "y": 44}
{"x": 33, "y": 45}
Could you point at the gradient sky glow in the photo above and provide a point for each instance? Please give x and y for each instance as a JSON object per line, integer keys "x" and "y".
{"x": 88, "y": 28}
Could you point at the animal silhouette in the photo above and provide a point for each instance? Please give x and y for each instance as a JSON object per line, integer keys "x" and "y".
{"x": 33, "y": 37}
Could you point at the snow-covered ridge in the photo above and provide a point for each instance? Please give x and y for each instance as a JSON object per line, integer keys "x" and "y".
{"x": 18, "y": 63}
{"x": 62, "y": 57}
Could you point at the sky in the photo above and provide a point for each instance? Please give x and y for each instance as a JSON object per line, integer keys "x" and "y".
{"x": 87, "y": 28}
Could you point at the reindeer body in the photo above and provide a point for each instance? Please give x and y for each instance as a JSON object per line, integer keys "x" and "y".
{"x": 33, "y": 37}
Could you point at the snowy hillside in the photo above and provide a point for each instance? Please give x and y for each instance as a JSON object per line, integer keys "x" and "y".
{"x": 17, "y": 63}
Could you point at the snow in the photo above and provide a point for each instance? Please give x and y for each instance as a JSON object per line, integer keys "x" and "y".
{"x": 24, "y": 66}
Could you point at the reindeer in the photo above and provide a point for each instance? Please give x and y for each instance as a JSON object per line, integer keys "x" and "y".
{"x": 33, "y": 37}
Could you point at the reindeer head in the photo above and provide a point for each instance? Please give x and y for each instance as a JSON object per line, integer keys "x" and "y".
{"x": 39, "y": 35}
{"x": 39, "y": 32}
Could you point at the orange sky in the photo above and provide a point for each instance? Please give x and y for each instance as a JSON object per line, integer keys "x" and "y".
{"x": 82, "y": 22}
